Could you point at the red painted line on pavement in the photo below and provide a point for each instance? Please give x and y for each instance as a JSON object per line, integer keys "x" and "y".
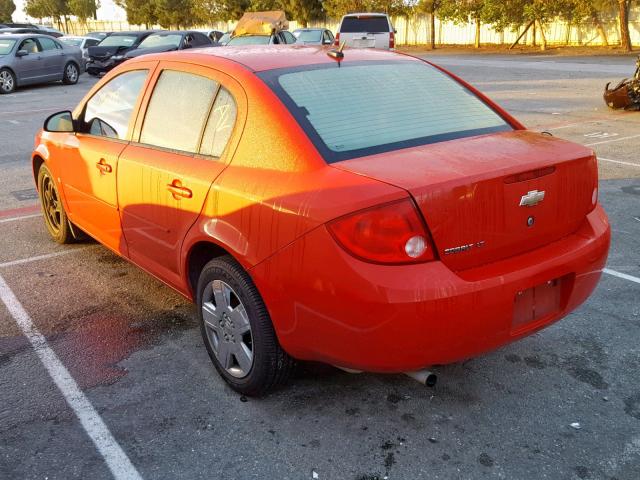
{"x": 14, "y": 212}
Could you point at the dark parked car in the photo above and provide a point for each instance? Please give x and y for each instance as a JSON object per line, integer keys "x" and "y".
{"x": 29, "y": 59}
{"x": 168, "y": 41}
{"x": 111, "y": 51}
{"x": 313, "y": 36}
{"x": 98, "y": 35}
{"x": 43, "y": 31}
{"x": 282, "y": 37}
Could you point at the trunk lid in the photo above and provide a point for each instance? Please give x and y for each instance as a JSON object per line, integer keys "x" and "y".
{"x": 470, "y": 191}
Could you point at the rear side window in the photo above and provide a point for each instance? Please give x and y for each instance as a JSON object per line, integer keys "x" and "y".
{"x": 108, "y": 112}
{"x": 220, "y": 125}
{"x": 47, "y": 44}
{"x": 177, "y": 112}
{"x": 372, "y": 24}
{"x": 367, "y": 108}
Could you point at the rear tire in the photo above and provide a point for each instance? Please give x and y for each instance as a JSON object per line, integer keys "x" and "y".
{"x": 237, "y": 330}
{"x": 71, "y": 73}
{"x": 7, "y": 81}
{"x": 55, "y": 218}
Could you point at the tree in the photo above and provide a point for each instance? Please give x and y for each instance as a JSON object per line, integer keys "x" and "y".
{"x": 178, "y": 13}
{"x": 83, "y": 9}
{"x": 140, "y": 12}
{"x": 7, "y": 7}
{"x": 623, "y": 16}
{"x": 430, "y": 7}
{"x": 55, "y": 9}
{"x": 460, "y": 11}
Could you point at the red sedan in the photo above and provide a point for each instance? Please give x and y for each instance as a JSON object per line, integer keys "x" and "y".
{"x": 373, "y": 212}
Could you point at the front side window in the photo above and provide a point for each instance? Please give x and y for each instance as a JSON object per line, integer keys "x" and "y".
{"x": 108, "y": 112}
{"x": 178, "y": 110}
{"x": 366, "y": 108}
{"x": 30, "y": 45}
{"x": 220, "y": 125}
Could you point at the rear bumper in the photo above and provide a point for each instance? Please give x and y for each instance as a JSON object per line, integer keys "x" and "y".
{"x": 328, "y": 306}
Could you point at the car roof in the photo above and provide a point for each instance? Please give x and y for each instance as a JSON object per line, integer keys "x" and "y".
{"x": 136, "y": 33}
{"x": 309, "y": 29}
{"x": 366, "y": 14}
{"x": 261, "y": 58}
{"x": 18, "y": 36}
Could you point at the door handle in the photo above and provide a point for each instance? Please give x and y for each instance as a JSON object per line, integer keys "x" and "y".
{"x": 103, "y": 166}
{"x": 178, "y": 191}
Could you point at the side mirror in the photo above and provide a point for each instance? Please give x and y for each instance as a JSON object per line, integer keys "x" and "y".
{"x": 59, "y": 122}
{"x": 22, "y": 53}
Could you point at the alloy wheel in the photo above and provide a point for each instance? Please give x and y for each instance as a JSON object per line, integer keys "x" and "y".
{"x": 72, "y": 73}
{"x": 51, "y": 204}
{"x": 228, "y": 328}
{"x": 6, "y": 81}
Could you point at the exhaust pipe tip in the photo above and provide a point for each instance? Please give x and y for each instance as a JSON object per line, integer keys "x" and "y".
{"x": 425, "y": 377}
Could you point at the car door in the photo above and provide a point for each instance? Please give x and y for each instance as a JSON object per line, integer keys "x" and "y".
{"x": 53, "y": 57}
{"x": 30, "y": 67}
{"x": 91, "y": 155}
{"x": 164, "y": 178}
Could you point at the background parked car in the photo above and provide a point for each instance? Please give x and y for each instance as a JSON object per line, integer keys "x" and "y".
{"x": 214, "y": 35}
{"x": 112, "y": 49}
{"x": 170, "y": 41}
{"x": 262, "y": 28}
{"x": 81, "y": 42}
{"x": 44, "y": 30}
{"x": 224, "y": 39}
{"x": 30, "y": 59}
{"x": 313, "y": 36}
{"x": 366, "y": 30}
{"x": 98, "y": 35}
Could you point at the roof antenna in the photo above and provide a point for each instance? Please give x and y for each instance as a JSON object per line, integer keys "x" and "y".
{"x": 337, "y": 54}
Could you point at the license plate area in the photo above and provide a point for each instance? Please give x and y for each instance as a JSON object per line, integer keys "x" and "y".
{"x": 537, "y": 303}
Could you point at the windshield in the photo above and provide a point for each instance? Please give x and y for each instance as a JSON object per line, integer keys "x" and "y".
{"x": 6, "y": 45}
{"x": 74, "y": 42}
{"x": 118, "y": 41}
{"x": 373, "y": 107}
{"x": 161, "y": 40}
{"x": 369, "y": 24}
{"x": 250, "y": 40}
{"x": 308, "y": 35}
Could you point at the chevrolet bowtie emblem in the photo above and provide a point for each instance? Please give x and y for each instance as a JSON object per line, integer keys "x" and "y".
{"x": 532, "y": 198}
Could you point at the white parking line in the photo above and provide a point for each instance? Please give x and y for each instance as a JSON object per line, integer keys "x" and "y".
{"x": 619, "y": 162}
{"x": 621, "y": 275}
{"x": 23, "y": 217}
{"x": 41, "y": 257}
{"x": 617, "y": 139}
{"x": 117, "y": 461}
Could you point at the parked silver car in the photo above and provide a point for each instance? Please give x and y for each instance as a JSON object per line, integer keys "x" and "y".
{"x": 313, "y": 36}
{"x": 83, "y": 43}
{"x": 366, "y": 30}
{"x": 27, "y": 59}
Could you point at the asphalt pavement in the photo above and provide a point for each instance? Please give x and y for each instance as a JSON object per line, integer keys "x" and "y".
{"x": 103, "y": 372}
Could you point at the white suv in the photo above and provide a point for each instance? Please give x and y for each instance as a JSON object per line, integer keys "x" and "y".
{"x": 366, "y": 30}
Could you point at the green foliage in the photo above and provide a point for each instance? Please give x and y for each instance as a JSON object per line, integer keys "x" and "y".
{"x": 83, "y": 9}
{"x": 47, "y": 8}
{"x": 140, "y": 12}
{"x": 175, "y": 13}
{"x": 7, "y": 7}
{"x": 302, "y": 11}
{"x": 337, "y": 8}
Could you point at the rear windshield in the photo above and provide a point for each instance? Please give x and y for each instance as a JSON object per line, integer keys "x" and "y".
{"x": 308, "y": 35}
{"x": 364, "y": 24}
{"x": 364, "y": 108}
{"x": 250, "y": 40}
{"x": 74, "y": 42}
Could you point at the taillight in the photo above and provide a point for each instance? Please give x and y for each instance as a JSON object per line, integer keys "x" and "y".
{"x": 392, "y": 39}
{"x": 392, "y": 233}
{"x": 337, "y": 39}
